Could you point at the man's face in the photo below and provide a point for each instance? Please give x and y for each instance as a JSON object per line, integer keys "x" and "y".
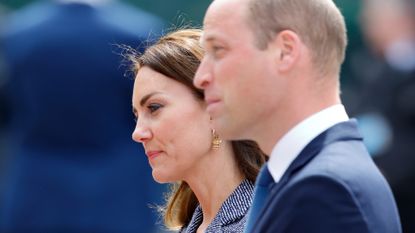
{"x": 236, "y": 76}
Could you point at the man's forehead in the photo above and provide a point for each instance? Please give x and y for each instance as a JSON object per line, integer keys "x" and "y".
{"x": 220, "y": 10}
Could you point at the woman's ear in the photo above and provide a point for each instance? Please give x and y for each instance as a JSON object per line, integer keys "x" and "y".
{"x": 287, "y": 49}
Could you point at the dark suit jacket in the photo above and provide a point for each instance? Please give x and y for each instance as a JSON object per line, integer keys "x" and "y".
{"x": 73, "y": 164}
{"x": 333, "y": 186}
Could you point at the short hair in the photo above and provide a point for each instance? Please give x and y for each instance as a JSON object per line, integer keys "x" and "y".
{"x": 319, "y": 24}
{"x": 177, "y": 55}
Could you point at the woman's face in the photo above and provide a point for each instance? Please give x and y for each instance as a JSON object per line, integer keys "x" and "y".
{"x": 172, "y": 125}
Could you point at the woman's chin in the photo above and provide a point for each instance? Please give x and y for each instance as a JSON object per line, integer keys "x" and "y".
{"x": 161, "y": 179}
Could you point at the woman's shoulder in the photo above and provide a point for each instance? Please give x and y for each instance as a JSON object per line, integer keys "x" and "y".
{"x": 239, "y": 201}
{"x": 235, "y": 227}
{"x": 233, "y": 214}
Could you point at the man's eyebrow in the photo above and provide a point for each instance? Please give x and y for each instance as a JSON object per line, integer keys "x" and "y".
{"x": 207, "y": 38}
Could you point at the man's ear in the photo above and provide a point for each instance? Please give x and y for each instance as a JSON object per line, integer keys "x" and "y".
{"x": 287, "y": 49}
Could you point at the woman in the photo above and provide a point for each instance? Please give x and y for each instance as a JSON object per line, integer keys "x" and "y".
{"x": 215, "y": 178}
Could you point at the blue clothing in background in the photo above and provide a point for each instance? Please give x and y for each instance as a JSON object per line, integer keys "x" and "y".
{"x": 73, "y": 165}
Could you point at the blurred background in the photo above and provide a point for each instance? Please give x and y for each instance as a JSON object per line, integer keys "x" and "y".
{"x": 67, "y": 163}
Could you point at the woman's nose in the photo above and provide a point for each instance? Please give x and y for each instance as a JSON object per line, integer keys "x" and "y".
{"x": 141, "y": 134}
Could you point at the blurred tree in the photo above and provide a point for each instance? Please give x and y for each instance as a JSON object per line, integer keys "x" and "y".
{"x": 173, "y": 11}
{"x": 351, "y": 12}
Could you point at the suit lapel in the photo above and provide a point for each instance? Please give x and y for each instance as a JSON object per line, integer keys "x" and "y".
{"x": 340, "y": 132}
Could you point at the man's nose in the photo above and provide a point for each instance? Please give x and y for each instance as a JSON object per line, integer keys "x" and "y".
{"x": 203, "y": 76}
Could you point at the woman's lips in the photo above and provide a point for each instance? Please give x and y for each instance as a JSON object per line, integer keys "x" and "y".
{"x": 153, "y": 154}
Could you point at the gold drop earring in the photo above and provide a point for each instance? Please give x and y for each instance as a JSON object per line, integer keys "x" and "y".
{"x": 216, "y": 141}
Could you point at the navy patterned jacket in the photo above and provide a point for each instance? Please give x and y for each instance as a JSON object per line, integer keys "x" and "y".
{"x": 232, "y": 215}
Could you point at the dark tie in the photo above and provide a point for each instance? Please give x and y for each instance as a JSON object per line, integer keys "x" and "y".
{"x": 261, "y": 190}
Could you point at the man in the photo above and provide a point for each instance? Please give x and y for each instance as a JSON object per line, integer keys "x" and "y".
{"x": 271, "y": 74}
{"x": 73, "y": 166}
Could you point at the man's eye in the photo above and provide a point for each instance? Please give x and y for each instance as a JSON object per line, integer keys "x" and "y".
{"x": 154, "y": 107}
{"x": 216, "y": 48}
{"x": 217, "y": 51}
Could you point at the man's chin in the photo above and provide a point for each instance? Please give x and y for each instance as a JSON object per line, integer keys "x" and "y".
{"x": 225, "y": 129}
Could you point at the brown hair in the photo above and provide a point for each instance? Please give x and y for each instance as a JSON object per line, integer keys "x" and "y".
{"x": 177, "y": 55}
{"x": 319, "y": 24}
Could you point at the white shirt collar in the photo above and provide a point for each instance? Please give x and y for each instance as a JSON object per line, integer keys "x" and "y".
{"x": 294, "y": 141}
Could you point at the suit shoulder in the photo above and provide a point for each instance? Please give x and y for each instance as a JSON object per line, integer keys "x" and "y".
{"x": 346, "y": 165}
{"x": 344, "y": 161}
{"x": 316, "y": 203}
{"x": 316, "y": 184}
{"x": 342, "y": 180}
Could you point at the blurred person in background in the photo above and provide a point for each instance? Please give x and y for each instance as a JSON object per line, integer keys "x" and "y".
{"x": 3, "y": 106}
{"x": 72, "y": 164}
{"x": 215, "y": 178}
{"x": 384, "y": 93}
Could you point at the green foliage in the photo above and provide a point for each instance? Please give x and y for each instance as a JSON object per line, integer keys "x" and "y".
{"x": 175, "y": 12}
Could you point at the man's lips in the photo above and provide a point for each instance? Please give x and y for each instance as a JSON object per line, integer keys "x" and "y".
{"x": 152, "y": 154}
{"x": 210, "y": 101}
{"x": 210, "y": 104}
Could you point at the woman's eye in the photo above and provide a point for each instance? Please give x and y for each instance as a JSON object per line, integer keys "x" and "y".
{"x": 154, "y": 107}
